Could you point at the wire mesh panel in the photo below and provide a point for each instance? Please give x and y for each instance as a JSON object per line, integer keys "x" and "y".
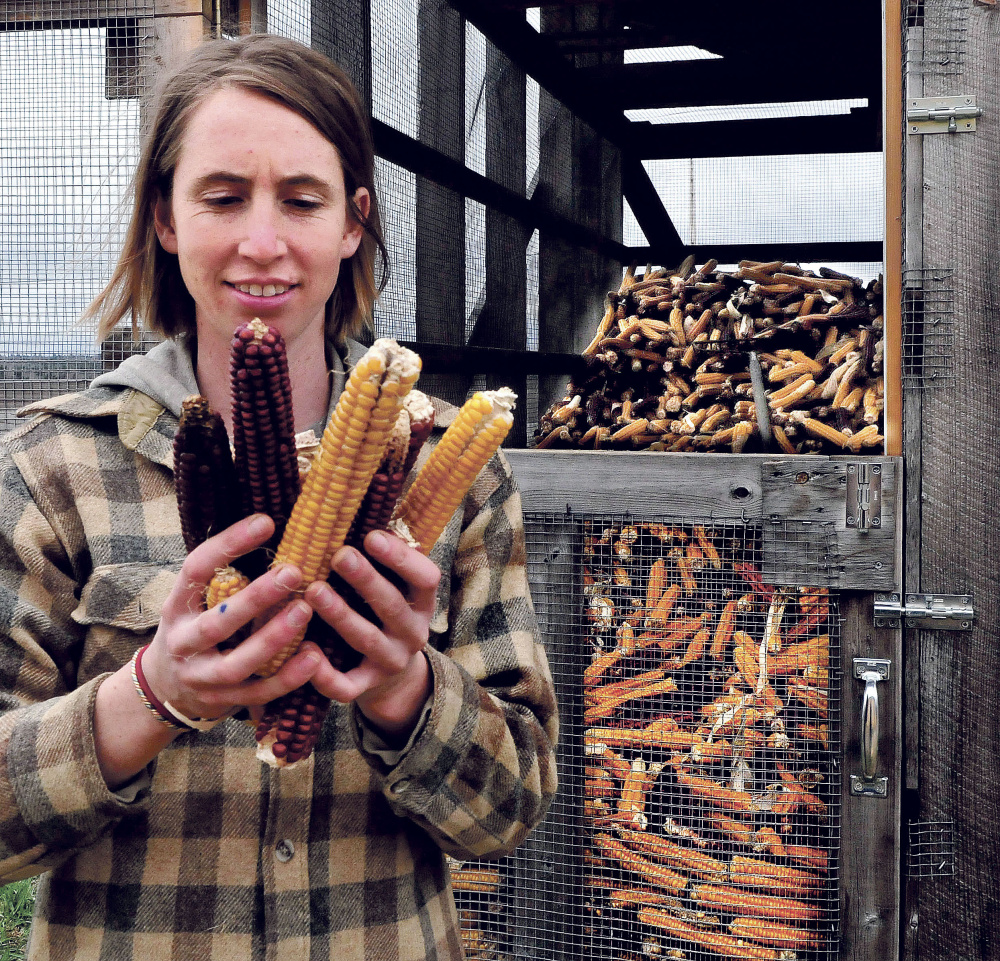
{"x": 698, "y": 811}
{"x": 70, "y": 91}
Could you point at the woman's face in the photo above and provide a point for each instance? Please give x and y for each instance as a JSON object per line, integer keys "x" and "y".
{"x": 257, "y": 218}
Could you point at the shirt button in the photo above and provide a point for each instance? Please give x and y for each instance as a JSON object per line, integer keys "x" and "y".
{"x": 284, "y": 850}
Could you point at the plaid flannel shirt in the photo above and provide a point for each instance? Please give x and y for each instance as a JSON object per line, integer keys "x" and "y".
{"x": 216, "y": 856}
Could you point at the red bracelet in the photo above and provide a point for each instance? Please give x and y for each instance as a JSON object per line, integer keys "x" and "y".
{"x": 146, "y": 694}
{"x": 164, "y": 711}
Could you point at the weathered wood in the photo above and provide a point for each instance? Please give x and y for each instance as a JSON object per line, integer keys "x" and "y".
{"x": 503, "y": 321}
{"x": 573, "y": 282}
{"x": 547, "y": 909}
{"x": 342, "y": 30}
{"x": 439, "y": 214}
{"x": 800, "y": 501}
{"x": 892, "y": 149}
{"x": 913, "y": 173}
{"x": 960, "y": 539}
{"x": 869, "y": 858}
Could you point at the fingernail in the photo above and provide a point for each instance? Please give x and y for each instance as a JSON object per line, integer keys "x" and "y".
{"x": 260, "y": 525}
{"x": 287, "y": 578}
{"x": 347, "y": 562}
{"x": 298, "y": 614}
{"x": 378, "y": 540}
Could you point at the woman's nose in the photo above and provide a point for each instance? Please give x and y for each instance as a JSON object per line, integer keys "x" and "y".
{"x": 262, "y": 237}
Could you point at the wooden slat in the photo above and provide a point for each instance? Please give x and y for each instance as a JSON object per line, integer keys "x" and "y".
{"x": 893, "y": 283}
{"x": 800, "y": 502}
{"x": 959, "y": 435}
{"x": 547, "y": 912}
{"x": 870, "y": 846}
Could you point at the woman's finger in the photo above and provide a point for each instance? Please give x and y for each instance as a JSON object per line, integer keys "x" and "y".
{"x": 211, "y": 555}
{"x": 409, "y": 604}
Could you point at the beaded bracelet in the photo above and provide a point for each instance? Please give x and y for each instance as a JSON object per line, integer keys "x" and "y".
{"x": 164, "y": 711}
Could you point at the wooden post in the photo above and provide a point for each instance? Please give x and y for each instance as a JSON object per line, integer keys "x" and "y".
{"x": 180, "y": 25}
{"x": 503, "y": 320}
{"x": 580, "y": 177}
{"x": 959, "y": 436}
{"x": 342, "y": 29}
{"x": 440, "y": 211}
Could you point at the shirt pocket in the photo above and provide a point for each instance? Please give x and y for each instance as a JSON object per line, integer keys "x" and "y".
{"x": 120, "y": 607}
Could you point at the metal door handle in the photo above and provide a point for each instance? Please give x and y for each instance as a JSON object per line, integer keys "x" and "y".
{"x": 871, "y": 671}
{"x": 869, "y": 724}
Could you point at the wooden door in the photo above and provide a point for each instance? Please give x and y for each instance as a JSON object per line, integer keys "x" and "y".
{"x": 798, "y": 507}
{"x": 952, "y": 452}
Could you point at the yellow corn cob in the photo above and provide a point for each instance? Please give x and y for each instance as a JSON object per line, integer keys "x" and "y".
{"x": 452, "y": 467}
{"x": 224, "y": 584}
{"x": 352, "y": 446}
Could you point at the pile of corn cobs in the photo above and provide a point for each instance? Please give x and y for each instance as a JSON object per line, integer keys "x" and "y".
{"x": 673, "y": 364}
{"x": 707, "y": 747}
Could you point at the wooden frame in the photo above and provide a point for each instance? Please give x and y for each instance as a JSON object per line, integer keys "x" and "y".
{"x": 776, "y": 492}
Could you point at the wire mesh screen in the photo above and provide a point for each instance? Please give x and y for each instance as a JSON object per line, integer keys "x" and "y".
{"x": 928, "y": 343}
{"x": 70, "y": 95}
{"x": 698, "y": 811}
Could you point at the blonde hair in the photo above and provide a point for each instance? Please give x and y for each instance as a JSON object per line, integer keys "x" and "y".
{"x": 146, "y": 284}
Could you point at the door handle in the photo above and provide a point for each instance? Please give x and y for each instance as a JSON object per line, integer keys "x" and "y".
{"x": 870, "y": 670}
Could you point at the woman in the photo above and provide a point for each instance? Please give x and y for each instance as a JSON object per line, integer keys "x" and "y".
{"x": 254, "y": 197}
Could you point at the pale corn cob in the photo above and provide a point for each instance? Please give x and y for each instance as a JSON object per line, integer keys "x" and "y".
{"x": 290, "y": 725}
{"x": 452, "y": 467}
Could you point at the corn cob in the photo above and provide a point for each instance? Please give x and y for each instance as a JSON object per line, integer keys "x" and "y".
{"x": 774, "y": 933}
{"x": 263, "y": 426}
{"x": 226, "y": 582}
{"x": 747, "y": 904}
{"x": 350, "y": 451}
{"x": 353, "y": 448}
{"x": 723, "y": 944}
{"x": 444, "y": 480}
{"x": 412, "y": 428}
{"x": 204, "y": 475}
{"x": 754, "y": 873}
{"x": 290, "y": 743}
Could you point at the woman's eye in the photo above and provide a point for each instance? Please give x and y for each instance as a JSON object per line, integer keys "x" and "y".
{"x": 227, "y": 200}
{"x": 303, "y": 203}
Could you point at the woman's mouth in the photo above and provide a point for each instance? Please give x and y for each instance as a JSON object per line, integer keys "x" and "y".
{"x": 259, "y": 290}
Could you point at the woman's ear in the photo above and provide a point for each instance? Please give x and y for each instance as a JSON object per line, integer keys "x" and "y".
{"x": 353, "y": 228}
{"x": 163, "y": 219}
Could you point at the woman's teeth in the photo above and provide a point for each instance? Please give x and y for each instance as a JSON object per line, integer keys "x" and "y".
{"x": 256, "y": 290}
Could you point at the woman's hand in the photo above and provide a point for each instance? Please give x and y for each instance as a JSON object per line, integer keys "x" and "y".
{"x": 393, "y": 680}
{"x": 184, "y": 664}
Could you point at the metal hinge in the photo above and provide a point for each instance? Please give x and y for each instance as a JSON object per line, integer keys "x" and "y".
{"x": 942, "y": 115}
{"x": 864, "y": 496}
{"x": 930, "y": 612}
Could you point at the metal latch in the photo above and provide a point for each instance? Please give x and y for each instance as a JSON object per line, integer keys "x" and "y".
{"x": 930, "y": 612}
{"x": 942, "y": 115}
{"x": 864, "y": 496}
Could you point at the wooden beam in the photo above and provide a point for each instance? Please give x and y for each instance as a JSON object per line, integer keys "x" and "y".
{"x": 812, "y": 252}
{"x": 693, "y": 83}
{"x": 857, "y": 132}
{"x": 534, "y": 212}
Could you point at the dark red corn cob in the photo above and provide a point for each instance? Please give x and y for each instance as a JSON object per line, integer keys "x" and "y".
{"x": 291, "y": 725}
{"x": 263, "y": 426}
{"x": 263, "y": 429}
{"x": 204, "y": 474}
